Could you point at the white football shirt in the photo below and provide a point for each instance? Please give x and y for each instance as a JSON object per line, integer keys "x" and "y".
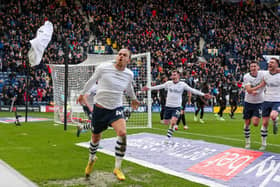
{"x": 272, "y": 88}
{"x": 175, "y": 91}
{"x": 248, "y": 79}
{"x": 111, "y": 85}
{"x": 92, "y": 91}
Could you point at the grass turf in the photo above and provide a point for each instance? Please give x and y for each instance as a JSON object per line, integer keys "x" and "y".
{"x": 44, "y": 152}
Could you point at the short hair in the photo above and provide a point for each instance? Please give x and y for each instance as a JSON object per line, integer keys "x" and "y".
{"x": 129, "y": 52}
{"x": 253, "y": 62}
{"x": 277, "y": 60}
{"x": 163, "y": 77}
{"x": 175, "y": 71}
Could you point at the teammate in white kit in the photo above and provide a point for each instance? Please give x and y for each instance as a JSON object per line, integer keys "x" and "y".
{"x": 253, "y": 101}
{"x": 174, "y": 88}
{"x": 113, "y": 80}
{"x": 271, "y": 104}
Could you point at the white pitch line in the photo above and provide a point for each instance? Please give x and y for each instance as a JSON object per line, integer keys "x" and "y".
{"x": 3, "y": 122}
{"x": 11, "y": 178}
{"x": 217, "y": 137}
{"x": 209, "y": 136}
{"x": 277, "y": 178}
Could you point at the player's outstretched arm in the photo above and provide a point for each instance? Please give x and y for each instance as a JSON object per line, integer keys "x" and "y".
{"x": 157, "y": 87}
{"x": 81, "y": 100}
{"x": 135, "y": 104}
{"x": 193, "y": 90}
{"x": 145, "y": 88}
{"x": 208, "y": 96}
{"x": 87, "y": 103}
{"x": 203, "y": 99}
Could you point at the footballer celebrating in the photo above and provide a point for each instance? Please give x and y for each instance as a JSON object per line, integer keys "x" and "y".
{"x": 113, "y": 80}
{"x": 271, "y": 104}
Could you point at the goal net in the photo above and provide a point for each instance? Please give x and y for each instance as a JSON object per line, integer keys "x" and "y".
{"x": 79, "y": 74}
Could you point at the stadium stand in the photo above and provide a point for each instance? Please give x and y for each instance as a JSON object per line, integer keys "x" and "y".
{"x": 226, "y": 34}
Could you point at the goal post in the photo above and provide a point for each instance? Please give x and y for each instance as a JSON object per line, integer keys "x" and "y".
{"x": 79, "y": 74}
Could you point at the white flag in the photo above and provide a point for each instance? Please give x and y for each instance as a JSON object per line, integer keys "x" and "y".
{"x": 40, "y": 43}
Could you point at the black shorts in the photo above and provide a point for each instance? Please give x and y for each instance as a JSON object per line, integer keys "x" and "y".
{"x": 171, "y": 112}
{"x": 223, "y": 102}
{"x": 233, "y": 102}
{"x": 199, "y": 103}
{"x": 103, "y": 118}
{"x": 268, "y": 106}
{"x": 252, "y": 110}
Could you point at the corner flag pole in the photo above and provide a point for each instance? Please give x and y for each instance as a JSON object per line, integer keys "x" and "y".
{"x": 36, "y": 51}
{"x": 66, "y": 83}
{"x": 27, "y": 90}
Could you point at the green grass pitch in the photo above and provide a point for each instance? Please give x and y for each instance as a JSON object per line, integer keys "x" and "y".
{"x": 47, "y": 155}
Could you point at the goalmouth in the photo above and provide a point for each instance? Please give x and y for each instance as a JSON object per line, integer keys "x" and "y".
{"x": 79, "y": 74}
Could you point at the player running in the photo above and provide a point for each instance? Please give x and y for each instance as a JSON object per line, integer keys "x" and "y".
{"x": 233, "y": 98}
{"x": 271, "y": 105}
{"x": 175, "y": 89}
{"x": 252, "y": 110}
{"x": 186, "y": 98}
{"x": 200, "y": 103}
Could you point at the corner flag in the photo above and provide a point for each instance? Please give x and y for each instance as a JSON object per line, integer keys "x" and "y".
{"x": 40, "y": 43}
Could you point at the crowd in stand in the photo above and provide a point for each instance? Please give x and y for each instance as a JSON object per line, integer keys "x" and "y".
{"x": 173, "y": 31}
{"x": 19, "y": 22}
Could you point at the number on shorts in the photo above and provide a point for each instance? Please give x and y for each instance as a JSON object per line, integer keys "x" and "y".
{"x": 119, "y": 113}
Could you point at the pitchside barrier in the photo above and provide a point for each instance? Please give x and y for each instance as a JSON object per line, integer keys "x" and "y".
{"x": 207, "y": 109}
{"x": 227, "y": 110}
{"x": 155, "y": 108}
{"x": 20, "y": 108}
